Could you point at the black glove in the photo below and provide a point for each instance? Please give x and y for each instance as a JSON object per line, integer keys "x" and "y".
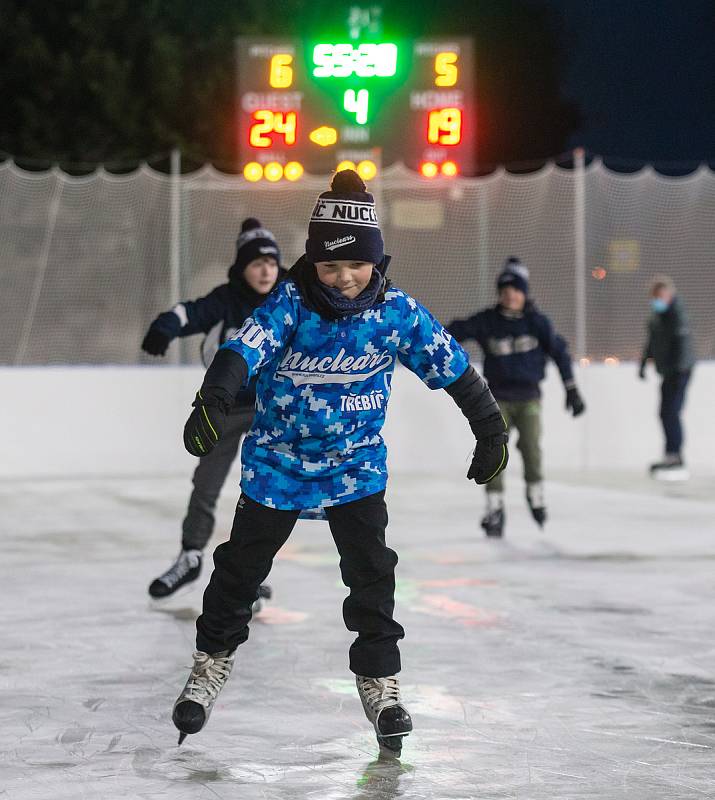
{"x": 491, "y": 456}
{"x": 641, "y": 371}
{"x": 164, "y": 328}
{"x": 471, "y": 393}
{"x": 155, "y": 342}
{"x": 574, "y": 402}
{"x": 205, "y": 425}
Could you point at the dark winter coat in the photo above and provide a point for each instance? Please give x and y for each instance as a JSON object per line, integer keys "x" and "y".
{"x": 219, "y": 315}
{"x": 516, "y": 347}
{"x": 670, "y": 340}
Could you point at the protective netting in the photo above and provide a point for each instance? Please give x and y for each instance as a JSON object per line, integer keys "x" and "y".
{"x": 86, "y": 263}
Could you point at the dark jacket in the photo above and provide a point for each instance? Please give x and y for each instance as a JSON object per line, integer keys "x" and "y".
{"x": 515, "y": 347}
{"x": 219, "y": 315}
{"x": 670, "y": 341}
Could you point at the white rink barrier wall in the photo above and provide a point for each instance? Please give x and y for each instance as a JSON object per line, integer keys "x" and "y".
{"x": 69, "y": 422}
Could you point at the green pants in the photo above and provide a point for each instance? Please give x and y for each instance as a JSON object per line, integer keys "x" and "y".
{"x": 525, "y": 416}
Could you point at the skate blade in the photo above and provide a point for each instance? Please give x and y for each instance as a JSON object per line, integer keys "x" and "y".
{"x": 162, "y": 602}
{"x": 391, "y": 746}
{"x": 667, "y": 475}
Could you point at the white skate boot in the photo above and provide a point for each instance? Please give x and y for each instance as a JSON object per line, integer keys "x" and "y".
{"x": 208, "y": 676}
{"x": 382, "y": 703}
{"x": 671, "y": 468}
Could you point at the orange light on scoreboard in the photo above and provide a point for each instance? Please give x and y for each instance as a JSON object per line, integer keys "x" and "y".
{"x": 367, "y": 170}
{"x": 253, "y": 171}
{"x": 449, "y": 169}
{"x": 293, "y": 170}
{"x": 428, "y": 169}
{"x": 445, "y": 126}
{"x": 273, "y": 171}
{"x": 267, "y": 123}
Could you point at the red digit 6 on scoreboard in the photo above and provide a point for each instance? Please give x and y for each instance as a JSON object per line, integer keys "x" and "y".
{"x": 270, "y": 122}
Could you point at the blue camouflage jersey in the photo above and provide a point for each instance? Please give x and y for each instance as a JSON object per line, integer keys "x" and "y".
{"x": 322, "y": 394}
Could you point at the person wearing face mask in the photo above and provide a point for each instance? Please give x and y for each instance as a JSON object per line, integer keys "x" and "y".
{"x": 324, "y": 346}
{"x": 251, "y": 278}
{"x": 670, "y": 345}
{"x": 517, "y": 339}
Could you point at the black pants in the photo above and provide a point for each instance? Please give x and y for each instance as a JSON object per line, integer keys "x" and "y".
{"x": 367, "y": 566}
{"x": 672, "y": 398}
{"x": 209, "y": 478}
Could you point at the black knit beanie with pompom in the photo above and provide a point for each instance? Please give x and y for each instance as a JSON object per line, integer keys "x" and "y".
{"x": 343, "y": 225}
{"x": 253, "y": 242}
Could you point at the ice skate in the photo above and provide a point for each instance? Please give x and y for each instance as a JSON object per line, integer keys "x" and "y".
{"x": 493, "y": 523}
{"x": 535, "y": 499}
{"x": 382, "y": 704}
{"x": 183, "y": 571}
{"x": 493, "y": 519}
{"x": 264, "y": 593}
{"x": 671, "y": 468}
{"x": 208, "y": 676}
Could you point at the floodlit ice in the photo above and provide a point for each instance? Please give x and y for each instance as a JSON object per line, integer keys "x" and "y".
{"x": 574, "y": 663}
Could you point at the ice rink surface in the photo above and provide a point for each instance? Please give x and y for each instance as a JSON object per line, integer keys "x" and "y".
{"x": 574, "y": 663}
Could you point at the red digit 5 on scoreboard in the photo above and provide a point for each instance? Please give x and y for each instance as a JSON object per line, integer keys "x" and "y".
{"x": 267, "y": 123}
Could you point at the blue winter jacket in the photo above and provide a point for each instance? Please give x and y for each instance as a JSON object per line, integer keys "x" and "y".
{"x": 323, "y": 389}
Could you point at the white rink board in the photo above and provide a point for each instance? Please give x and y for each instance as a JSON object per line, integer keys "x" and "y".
{"x": 105, "y": 421}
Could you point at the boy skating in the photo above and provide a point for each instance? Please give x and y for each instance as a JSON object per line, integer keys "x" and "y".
{"x": 252, "y": 276}
{"x": 331, "y": 333}
{"x": 516, "y": 339}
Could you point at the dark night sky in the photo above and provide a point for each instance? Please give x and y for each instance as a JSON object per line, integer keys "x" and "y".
{"x": 643, "y": 75}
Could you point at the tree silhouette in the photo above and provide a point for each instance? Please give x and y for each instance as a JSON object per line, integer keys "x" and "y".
{"x": 115, "y": 80}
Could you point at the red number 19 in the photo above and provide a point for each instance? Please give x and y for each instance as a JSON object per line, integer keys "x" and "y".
{"x": 445, "y": 126}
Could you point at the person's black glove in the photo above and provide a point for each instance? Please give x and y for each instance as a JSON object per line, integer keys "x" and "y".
{"x": 491, "y": 455}
{"x": 205, "y": 425}
{"x": 574, "y": 401}
{"x": 641, "y": 371}
{"x": 164, "y": 328}
{"x": 155, "y": 342}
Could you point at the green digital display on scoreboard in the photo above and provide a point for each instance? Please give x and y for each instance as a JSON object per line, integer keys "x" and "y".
{"x": 311, "y": 106}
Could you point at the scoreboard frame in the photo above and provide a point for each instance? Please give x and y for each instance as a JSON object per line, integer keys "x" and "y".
{"x": 311, "y": 106}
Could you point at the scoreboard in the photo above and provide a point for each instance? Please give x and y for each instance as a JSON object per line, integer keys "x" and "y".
{"x": 314, "y": 106}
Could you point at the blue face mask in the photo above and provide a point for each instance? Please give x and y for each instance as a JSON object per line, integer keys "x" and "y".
{"x": 659, "y": 305}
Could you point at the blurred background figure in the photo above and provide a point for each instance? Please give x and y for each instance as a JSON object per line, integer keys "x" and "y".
{"x": 670, "y": 345}
{"x": 251, "y": 278}
{"x": 517, "y": 339}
